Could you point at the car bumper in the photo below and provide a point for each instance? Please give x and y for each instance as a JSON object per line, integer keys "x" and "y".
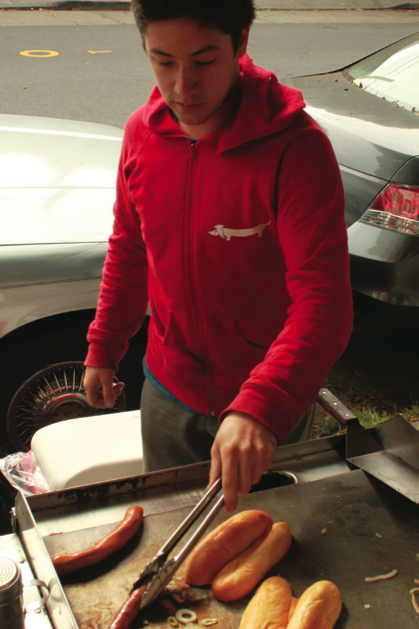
{"x": 384, "y": 264}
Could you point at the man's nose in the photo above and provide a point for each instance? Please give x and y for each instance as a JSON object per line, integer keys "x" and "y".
{"x": 186, "y": 82}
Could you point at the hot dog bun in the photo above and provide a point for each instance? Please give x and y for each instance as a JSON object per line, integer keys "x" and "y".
{"x": 270, "y": 607}
{"x": 223, "y": 544}
{"x": 292, "y": 608}
{"x": 318, "y": 608}
{"x": 241, "y": 575}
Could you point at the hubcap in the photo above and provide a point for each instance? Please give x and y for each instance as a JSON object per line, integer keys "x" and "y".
{"x": 51, "y": 395}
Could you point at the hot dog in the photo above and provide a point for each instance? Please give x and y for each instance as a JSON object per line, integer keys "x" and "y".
{"x": 318, "y": 607}
{"x": 241, "y": 575}
{"x": 64, "y": 564}
{"x": 129, "y": 610}
{"x": 223, "y": 544}
{"x": 270, "y": 607}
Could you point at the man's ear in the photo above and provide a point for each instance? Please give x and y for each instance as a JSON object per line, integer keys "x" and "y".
{"x": 244, "y": 38}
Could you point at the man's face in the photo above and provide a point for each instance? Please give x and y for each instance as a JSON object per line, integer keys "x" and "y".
{"x": 196, "y": 69}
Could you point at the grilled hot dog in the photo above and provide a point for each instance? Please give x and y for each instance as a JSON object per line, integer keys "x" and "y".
{"x": 64, "y": 564}
{"x": 129, "y": 610}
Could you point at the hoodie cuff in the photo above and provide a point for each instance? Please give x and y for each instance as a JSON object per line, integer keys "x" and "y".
{"x": 98, "y": 357}
{"x": 269, "y": 413}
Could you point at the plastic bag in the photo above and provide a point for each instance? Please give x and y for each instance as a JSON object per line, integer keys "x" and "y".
{"x": 22, "y": 471}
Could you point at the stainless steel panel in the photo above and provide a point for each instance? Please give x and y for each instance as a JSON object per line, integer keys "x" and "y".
{"x": 36, "y": 617}
{"x": 59, "y": 610}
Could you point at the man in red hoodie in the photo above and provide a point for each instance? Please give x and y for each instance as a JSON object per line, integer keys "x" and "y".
{"x": 229, "y": 220}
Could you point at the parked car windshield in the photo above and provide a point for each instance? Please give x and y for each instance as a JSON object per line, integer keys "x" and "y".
{"x": 392, "y": 73}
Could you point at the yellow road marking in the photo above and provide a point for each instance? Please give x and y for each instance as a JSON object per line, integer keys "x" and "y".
{"x": 39, "y": 53}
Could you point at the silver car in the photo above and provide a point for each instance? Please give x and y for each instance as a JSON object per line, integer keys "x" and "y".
{"x": 370, "y": 111}
{"x": 57, "y": 189}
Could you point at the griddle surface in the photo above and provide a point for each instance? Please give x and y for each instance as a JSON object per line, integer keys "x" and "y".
{"x": 350, "y": 509}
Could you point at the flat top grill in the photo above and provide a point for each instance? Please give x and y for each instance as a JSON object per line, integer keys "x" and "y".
{"x": 345, "y": 527}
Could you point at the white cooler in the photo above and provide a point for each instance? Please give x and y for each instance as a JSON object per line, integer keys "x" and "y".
{"x": 90, "y": 449}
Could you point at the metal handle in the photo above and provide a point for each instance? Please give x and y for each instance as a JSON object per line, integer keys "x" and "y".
{"x": 194, "y": 514}
{"x": 159, "y": 562}
{"x": 194, "y": 539}
{"x": 170, "y": 567}
{"x": 336, "y": 409}
{"x": 37, "y": 604}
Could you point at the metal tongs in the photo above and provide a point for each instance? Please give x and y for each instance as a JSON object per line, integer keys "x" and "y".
{"x": 160, "y": 569}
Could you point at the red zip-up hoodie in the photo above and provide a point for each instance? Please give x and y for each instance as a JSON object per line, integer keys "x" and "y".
{"x": 239, "y": 242}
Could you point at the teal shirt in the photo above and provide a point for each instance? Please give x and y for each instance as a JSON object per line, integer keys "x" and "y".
{"x": 161, "y": 388}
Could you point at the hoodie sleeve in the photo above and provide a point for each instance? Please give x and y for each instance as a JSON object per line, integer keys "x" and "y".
{"x": 313, "y": 236}
{"x": 123, "y": 297}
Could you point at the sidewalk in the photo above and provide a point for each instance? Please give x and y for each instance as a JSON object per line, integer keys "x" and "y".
{"x": 261, "y": 5}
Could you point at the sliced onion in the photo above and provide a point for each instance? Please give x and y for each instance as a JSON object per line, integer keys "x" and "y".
{"x": 185, "y": 616}
{"x": 414, "y": 602}
{"x": 381, "y": 577}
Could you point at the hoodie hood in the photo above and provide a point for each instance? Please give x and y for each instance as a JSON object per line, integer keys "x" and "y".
{"x": 267, "y": 107}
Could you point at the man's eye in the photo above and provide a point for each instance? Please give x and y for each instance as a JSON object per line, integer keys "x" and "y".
{"x": 165, "y": 63}
{"x": 205, "y": 63}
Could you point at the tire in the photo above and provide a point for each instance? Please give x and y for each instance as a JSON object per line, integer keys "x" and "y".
{"x": 386, "y": 319}
{"x": 43, "y": 381}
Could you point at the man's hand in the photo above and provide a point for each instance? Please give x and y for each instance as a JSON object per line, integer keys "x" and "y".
{"x": 243, "y": 449}
{"x": 100, "y": 390}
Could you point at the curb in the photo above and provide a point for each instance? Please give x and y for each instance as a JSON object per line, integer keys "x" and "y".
{"x": 75, "y": 5}
{"x": 125, "y": 5}
{"x": 409, "y": 6}
{"x": 406, "y": 6}
{"x": 87, "y": 5}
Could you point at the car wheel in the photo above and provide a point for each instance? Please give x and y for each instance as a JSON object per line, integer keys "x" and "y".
{"x": 51, "y": 395}
{"x": 42, "y": 371}
{"x": 384, "y": 318}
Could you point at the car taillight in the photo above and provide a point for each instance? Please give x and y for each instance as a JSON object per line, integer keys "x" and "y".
{"x": 396, "y": 208}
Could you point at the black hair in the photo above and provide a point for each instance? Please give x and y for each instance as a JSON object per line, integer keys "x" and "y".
{"x": 227, "y": 16}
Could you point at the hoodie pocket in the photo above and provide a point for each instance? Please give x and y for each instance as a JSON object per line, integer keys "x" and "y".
{"x": 231, "y": 354}
{"x": 173, "y": 346}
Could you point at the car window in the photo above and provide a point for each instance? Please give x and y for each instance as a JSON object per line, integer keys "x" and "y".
{"x": 391, "y": 74}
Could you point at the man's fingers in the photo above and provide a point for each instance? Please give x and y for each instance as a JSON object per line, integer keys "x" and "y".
{"x": 242, "y": 451}
{"x": 215, "y": 470}
{"x": 245, "y": 466}
{"x": 263, "y": 462}
{"x": 108, "y": 392}
{"x": 229, "y": 463}
{"x": 223, "y": 463}
{"x": 117, "y": 388}
{"x": 98, "y": 385}
{"x": 94, "y": 394}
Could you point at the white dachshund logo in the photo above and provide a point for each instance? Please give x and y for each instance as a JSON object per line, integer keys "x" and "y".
{"x": 226, "y": 232}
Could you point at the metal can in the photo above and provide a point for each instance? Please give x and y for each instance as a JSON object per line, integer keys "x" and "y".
{"x": 11, "y": 595}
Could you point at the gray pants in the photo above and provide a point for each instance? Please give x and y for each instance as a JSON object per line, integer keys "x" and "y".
{"x": 173, "y": 436}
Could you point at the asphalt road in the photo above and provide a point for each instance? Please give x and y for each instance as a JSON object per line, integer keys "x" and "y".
{"x": 101, "y": 74}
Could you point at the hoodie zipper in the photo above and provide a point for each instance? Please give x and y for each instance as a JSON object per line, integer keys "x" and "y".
{"x": 190, "y": 242}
